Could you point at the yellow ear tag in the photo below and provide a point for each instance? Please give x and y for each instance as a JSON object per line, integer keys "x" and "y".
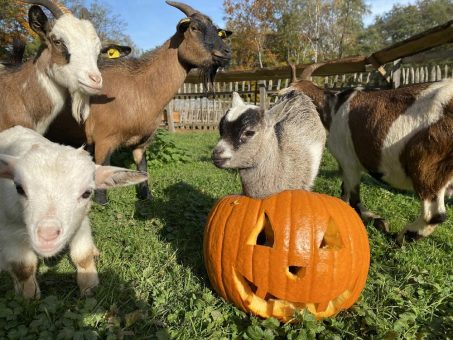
{"x": 113, "y": 53}
{"x": 183, "y": 21}
{"x": 222, "y": 34}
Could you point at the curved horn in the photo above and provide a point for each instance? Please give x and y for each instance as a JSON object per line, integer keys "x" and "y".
{"x": 55, "y": 8}
{"x": 186, "y": 9}
{"x": 293, "y": 71}
{"x": 84, "y": 14}
{"x": 308, "y": 71}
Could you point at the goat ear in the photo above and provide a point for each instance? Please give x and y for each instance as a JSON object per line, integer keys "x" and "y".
{"x": 113, "y": 51}
{"x": 38, "y": 21}
{"x": 223, "y": 33}
{"x": 277, "y": 113}
{"x": 110, "y": 177}
{"x": 7, "y": 165}
{"x": 237, "y": 100}
{"x": 183, "y": 24}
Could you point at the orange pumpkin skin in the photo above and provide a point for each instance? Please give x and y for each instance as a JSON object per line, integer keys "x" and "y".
{"x": 293, "y": 250}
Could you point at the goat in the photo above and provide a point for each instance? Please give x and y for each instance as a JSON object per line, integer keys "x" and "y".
{"x": 275, "y": 150}
{"x": 33, "y": 93}
{"x": 136, "y": 92}
{"x": 402, "y": 137}
{"x": 45, "y": 190}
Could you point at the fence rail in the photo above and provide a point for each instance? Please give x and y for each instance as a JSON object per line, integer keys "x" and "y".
{"x": 192, "y": 108}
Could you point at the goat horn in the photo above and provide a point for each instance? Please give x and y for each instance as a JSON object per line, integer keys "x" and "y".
{"x": 293, "y": 71}
{"x": 186, "y": 9}
{"x": 55, "y": 8}
{"x": 84, "y": 14}
{"x": 308, "y": 71}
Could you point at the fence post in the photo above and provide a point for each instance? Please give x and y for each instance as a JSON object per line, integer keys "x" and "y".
{"x": 171, "y": 126}
{"x": 263, "y": 94}
{"x": 396, "y": 76}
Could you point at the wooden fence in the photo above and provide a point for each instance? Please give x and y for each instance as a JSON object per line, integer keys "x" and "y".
{"x": 191, "y": 108}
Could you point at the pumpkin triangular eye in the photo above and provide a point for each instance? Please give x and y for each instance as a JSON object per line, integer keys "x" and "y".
{"x": 332, "y": 237}
{"x": 263, "y": 233}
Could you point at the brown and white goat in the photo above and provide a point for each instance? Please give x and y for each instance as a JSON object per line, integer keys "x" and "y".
{"x": 402, "y": 137}
{"x": 66, "y": 65}
{"x": 136, "y": 91}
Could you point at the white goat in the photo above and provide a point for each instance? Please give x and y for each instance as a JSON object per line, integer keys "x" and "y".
{"x": 274, "y": 150}
{"x": 45, "y": 191}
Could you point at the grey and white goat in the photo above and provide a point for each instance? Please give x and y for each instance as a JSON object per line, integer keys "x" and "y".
{"x": 274, "y": 150}
{"x": 45, "y": 191}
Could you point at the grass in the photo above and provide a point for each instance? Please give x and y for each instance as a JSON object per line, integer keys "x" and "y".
{"x": 154, "y": 285}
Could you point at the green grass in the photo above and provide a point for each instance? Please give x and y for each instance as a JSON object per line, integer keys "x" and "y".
{"x": 154, "y": 285}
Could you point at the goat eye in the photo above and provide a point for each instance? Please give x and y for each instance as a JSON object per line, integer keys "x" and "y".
{"x": 249, "y": 133}
{"x": 87, "y": 194}
{"x": 20, "y": 190}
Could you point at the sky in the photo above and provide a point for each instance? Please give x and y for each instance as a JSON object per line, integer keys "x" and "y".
{"x": 151, "y": 22}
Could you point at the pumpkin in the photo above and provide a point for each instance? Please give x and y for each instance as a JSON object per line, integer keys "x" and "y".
{"x": 291, "y": 251}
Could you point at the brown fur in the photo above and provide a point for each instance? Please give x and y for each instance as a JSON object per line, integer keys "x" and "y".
{"x": 134, "y": 94}
{"x": 372, "y": 113}
{"x": 311, "y": 90}
{"x": 428, "y": 158}
{"x": 23, "y": 100}
{"x": 21, "y": 271}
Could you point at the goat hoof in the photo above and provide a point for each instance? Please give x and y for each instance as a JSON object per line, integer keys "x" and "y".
{"x": 408, "y": 236}
{"x": 101, "y": 198}
{"x": 381, "y": 224}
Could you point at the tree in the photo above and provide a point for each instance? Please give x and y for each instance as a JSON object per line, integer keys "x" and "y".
{"x": 269, "y": 31}
{"x": 13, "y": 25}
{"x": 402, "y": 22}
{"x": 109, "y": 27}
{"x": 251, "y": 22}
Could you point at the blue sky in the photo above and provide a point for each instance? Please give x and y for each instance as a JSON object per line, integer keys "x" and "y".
{"x": 151, "y": 22}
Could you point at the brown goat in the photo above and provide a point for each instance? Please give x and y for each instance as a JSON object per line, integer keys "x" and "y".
{"x": 136, "y": 91}
{"x": 402, "y": 137}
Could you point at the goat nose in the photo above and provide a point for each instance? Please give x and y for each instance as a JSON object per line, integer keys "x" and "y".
{"x": 49, "y": 230}
{"x": 217, "y": 152}
{"x": 96, "y": 78}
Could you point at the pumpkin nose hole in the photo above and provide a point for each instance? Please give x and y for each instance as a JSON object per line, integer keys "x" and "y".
{"x": 266, "y": 235}
{"x": 296, "y": 272}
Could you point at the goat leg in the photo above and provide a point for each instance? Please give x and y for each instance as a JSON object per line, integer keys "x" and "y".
{"x": 23, "y": 271}
{"x": 102, "y": 156}
{"x": 350, "y": 192}
{"x": 143, "y": 192}
{"x": 433, "y": 213}
{"x": 83, "y": 253}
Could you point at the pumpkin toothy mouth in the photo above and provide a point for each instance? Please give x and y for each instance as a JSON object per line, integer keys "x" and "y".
{"x": 282, "y": 309}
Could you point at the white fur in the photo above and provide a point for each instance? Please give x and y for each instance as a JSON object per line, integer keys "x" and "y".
{"x": 54, "y": 178}
{"x": 57, "y": 97}
{"x": 238, "y": 107}
{"x": 84, "y": 47}
{"x": 227, "y": 150}
{"x": 341, "y": 145}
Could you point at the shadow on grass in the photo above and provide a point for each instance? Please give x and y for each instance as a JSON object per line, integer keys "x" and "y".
{"x": 111, "y": 311}
{"x": 184, "y": 212}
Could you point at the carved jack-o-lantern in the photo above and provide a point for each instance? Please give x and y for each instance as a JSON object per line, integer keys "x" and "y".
{"x": 293, "y": 250}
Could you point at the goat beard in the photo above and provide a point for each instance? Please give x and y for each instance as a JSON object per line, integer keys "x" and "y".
{"x": 207, "y": 75}
{"x": 80, "y": 106}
